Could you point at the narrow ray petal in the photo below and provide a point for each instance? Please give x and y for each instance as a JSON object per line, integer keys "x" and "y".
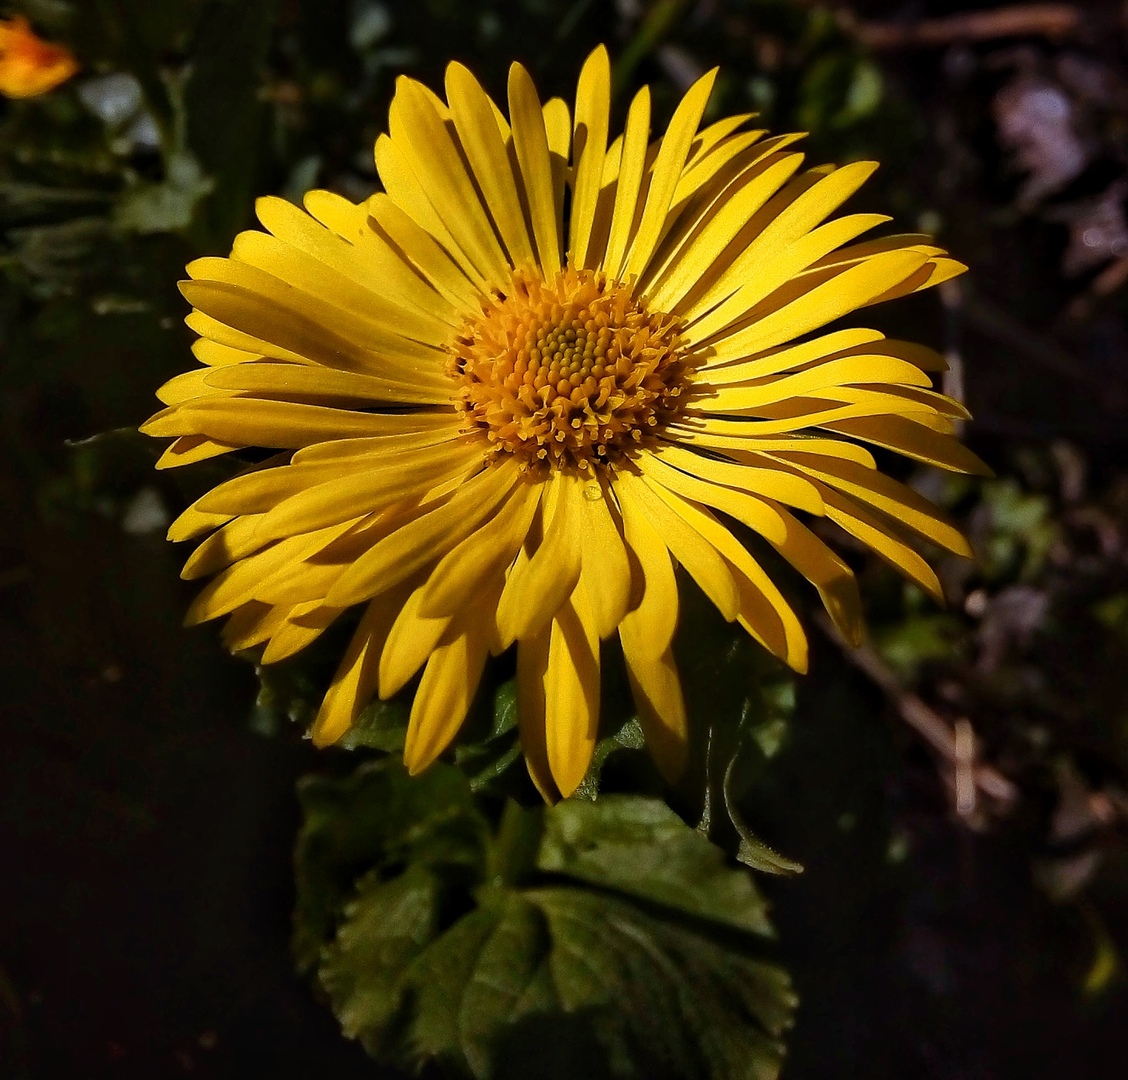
{"x": 571, "y": 691}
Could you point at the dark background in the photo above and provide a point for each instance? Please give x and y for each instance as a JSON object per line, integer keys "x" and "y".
{"x": 146, "y": 806}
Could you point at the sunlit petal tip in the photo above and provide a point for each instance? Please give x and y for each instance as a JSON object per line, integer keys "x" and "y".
{"x": 569, "y": 773}
{"x": 417, "y": 757}
{"x": 159, "y": 425}
{"x": 323, "y": 736}
{"x": 196, "y": 615}
{"x": 798, "y": 659}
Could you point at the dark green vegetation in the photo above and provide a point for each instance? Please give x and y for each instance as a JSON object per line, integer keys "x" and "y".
{"x": 957, "y": 794}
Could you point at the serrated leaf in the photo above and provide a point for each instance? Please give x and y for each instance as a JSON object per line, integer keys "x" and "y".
{"x": 684, "y": 1005}
{"x": 642, "y": 848}
{"x": 385, "y": 927}
{"x": 611, "y": 929}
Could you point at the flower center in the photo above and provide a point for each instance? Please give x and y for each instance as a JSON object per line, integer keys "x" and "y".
{"x": 568, "y": 373}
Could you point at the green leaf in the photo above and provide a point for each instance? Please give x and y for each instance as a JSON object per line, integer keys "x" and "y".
{"x": 684, "y": 1003}
{"x": 641, "y": 848}
{"x": 381, "y": 726}
{"x": 603, "y": 939}
{"x": 385, "y": 927}
{"x": 488, "y": 745}
{"x": 740, "y": 702}
{"x": 379, "y": 818}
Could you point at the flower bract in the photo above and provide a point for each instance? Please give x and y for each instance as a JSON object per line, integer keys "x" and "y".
{"x": 518, "y": 388}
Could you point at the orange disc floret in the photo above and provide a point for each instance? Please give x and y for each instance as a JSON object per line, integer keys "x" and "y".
{"x": 569, "y": 372}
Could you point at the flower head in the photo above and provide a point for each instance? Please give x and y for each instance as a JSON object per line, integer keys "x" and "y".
{"x": 28, "y": 64}
{"x": 518, "y": 387}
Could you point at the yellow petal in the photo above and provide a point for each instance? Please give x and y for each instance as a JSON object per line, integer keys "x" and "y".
{"x": 413, "y": 637}
{"x": 657, "y": 610}
{"x": 589, "y": 145}
{"x": 242, "y": 582}
{"x": 279, "y": 424}
{"x": 692, "y": 269}
{"x": 185, "y": 387}
{"x": 259, "y": 304}
{"x": 320, "y": 279}
{"x": 482, "y": 142}
{"x": 194, "y": 522}
{"x": 820, "y": 304}
{"x": 369, "y": 490}
{"x": 812, "y": 382}
{"x": 902, "y": 435}
{"x": 531, "y": 144}
{"x": 251, "y": 625}
{"x": 721, "y": 433}
{"x": 689, "y": 547}
{"x": 417, "y": 128}
{"x": 717, "y": 133}
{"x": 762, "y": 609}
{"x": 264, "y": 487}
{"x": 532, "y": 666}
{"x": 874, "y": 488}
{"x": 355, "y": 680}
{"x": 221, "y": 344}
{"x": 353, "y": 249}
{"x": 443, "y": 699}
{"x": 537, "y": 586}
{"x": 302, "y": 627}
{"x": 774, "y": 361}
{"x": 192, "y": 448}
{"x": 744, "y": 507}
{"x": 764, "y": 481}
{"x": 571, "y": 692}
{"x": 934, "y": 272}
{"x": 321, "y": 385}
{"x": 459, "y": 575}
{"x": 880, "y": 536}
{"x": 419, "y": 430}
{"x": 834, "y": 580}
{"x": 558, "y": 131}
{"x": 667, "y": 171}
{"x": 776, "y": 262}
{"x": 386, "y": 225}
{"x": 408, "y": 192}
{"x": 605, "y": 570}
{"x": 425, "y": 539}
{"x": 636, "y": 138}
{"x": 212, "y": 353}
{"x": 226, "y": 545}
{"x": 657, "y": 694}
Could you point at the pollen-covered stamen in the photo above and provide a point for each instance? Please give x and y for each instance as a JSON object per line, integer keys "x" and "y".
{"x": 572, "y": 372}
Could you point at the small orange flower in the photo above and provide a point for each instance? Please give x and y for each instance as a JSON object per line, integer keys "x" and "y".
{"x": 28, "y": 64}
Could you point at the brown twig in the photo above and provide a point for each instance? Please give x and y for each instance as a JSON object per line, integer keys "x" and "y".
{"x": 1022, "y": 20}
{"x": 1112, "y": 278}
{"x": 951, "y": 744}
{"x": 991, "y": 320}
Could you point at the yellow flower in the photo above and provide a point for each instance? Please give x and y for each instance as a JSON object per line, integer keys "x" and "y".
{"x": 28, "y": 64}
{"x": 520, "y": 386}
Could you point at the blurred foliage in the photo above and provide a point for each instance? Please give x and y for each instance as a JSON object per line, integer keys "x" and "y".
{"x": 932, "y": 932}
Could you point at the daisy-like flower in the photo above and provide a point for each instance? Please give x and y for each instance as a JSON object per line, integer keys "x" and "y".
{"x": 28, "y": 64}
{"x": 520, "y": 386}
